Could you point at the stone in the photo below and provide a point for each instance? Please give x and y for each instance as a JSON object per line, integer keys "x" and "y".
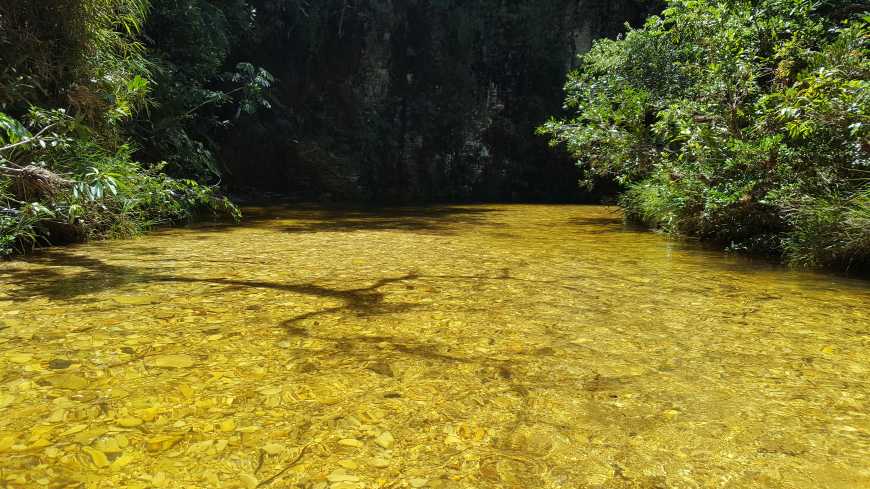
{"x": 171, "y": 361}
{"x": 385, "y": 440}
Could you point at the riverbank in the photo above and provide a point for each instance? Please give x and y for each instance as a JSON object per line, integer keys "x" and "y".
{"x": 244, "y": 208}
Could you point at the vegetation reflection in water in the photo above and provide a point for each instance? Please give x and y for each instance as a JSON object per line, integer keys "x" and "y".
{"x": 453, "y": 347}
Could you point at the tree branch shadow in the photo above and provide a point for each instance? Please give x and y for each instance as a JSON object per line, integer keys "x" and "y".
{"x": 50, "y": 282}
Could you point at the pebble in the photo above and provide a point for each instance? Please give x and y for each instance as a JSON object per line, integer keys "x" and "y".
{"x": 273, "y": 448}
{"x": 20, "y": 357}
{"x": 171, "y": 361}
{"x": 249, "y": 481}
{"x": 129, "y": 422}
{"x": 59, "y": 364}
{"x": 99, "y": 458}
{"x": 380, "y": 462}
{"x": 340, "y": 475}
{"x": 67, "y": 381}
{"x": 385, "y": 440}
{"x": 344, "y": 485}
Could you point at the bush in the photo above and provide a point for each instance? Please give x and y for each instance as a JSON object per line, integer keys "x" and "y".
{"x": 744, "y": 123}
{"x": 830, "y": 232}
{"x": 67, "y": 185}
{"x": 73, "y": 75}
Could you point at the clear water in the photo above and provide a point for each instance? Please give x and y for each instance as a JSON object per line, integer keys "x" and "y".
{"x": 448, "y": 347}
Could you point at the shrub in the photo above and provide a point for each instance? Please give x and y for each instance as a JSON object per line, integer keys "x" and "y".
{"x": 73, "y": 74}
{"x": 744, "y": 123}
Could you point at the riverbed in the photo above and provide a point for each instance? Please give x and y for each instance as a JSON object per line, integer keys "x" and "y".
{"x": 484, "y": 346}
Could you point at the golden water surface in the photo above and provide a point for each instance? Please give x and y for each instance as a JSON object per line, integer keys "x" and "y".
{"x": 447, "y": 347}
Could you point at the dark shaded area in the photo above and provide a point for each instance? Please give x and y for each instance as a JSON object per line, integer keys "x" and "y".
{"x": 436, "y": 220}
{"x": 99, "y": 275}
{"x": 606, "y": 225}
{"x": 432, "y": 100}
{"x": 598, "y": 221}
{"x": 351, "y": 218}
{"x": 52, "y": 283}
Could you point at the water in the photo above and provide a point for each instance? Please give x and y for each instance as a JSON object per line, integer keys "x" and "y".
{"x": 451, "y": 347}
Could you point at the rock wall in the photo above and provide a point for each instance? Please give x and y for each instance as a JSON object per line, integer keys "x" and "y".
{"x": 417, "y": 100}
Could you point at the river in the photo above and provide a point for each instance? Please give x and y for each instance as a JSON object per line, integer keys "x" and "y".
{"x": 492, "y": 346}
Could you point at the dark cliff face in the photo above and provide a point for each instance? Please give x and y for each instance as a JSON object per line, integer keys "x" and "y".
{"x": 427, "y": 100}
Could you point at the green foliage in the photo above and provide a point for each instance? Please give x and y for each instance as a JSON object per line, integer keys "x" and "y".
{"x": 17, "y": 225}
{"x": 196, "y": 98}
{"x": 740, "y": 122}
{"x": 74, "y": 74}
{"x": 109, "y": 194}
{"x": 82, "y": 54}
{"x": 12, "y": 130}
{"x": 831, "y": 231}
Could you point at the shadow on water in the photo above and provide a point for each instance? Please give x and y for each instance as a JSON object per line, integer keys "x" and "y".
{"x": 605, "y": 224}
{"x": 366, "y": 301}
{"x": 314, "y": 219}
{"x": 98, "y": 275}
{"x": 597, "y": 221}
{"x": 437, "y": 220}
{"x": 54, "y": 282}
{"x": 67, "y": 275}
{"x": 361, "y": 343}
